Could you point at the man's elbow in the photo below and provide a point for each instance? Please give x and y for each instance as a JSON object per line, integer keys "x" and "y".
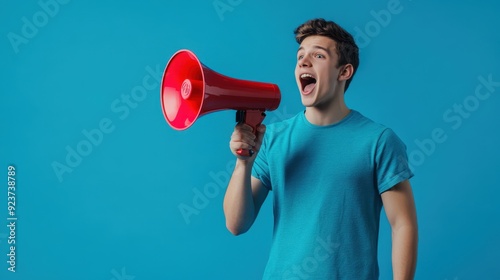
{"x": 236, "y": 229}
{"x": 408, "y": 228}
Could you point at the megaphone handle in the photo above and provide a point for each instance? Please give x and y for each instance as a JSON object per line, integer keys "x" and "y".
{"x": 253, "y": 118}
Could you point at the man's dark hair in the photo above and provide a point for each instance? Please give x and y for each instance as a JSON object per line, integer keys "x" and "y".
{"x": 347, "y": 50}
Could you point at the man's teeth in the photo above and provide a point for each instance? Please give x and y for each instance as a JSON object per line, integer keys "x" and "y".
{"x": 303, "y": 76}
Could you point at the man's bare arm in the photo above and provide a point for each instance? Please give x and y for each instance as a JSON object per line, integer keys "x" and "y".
{"x": 399, "y": 206}
{"x": 245, "y": 194}
{"x": 244, "y": 197}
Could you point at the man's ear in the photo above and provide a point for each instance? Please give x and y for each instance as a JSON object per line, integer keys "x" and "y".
{"x": 346, "y": 72}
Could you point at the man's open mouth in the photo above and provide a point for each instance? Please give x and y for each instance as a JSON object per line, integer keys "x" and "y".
{"x": 308, "y": 82}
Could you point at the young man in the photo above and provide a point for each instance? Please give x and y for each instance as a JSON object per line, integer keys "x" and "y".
{"x": 331, "y": 170}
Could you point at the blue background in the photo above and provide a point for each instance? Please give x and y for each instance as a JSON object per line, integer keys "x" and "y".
{"x": 116, "y": 215}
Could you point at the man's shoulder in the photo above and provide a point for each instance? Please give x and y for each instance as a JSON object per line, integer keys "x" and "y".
{"x": 285, "y": 123}
{"x": 355, "y": 121}
{"x": 367, "y": 124}
{"x": 379, "y": 132}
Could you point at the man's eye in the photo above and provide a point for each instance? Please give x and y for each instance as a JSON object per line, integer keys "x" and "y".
{"x": 300, "y": 57}
{"x": 320, "y": 56}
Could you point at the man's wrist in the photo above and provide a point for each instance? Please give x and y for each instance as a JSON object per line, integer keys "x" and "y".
{"x": 244, "y": 163}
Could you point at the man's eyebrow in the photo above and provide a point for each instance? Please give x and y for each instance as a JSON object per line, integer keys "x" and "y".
{"x": 316, "y": 47}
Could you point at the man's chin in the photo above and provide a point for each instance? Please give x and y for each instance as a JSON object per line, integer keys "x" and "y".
{"x": 307, "y": 100}
{"x": 307, "y": 103}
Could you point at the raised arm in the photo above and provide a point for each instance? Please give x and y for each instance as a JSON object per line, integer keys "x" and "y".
{"x": 400, "y": 210}
{"x": 245, "y": 194}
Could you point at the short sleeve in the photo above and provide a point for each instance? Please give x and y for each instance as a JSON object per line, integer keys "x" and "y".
{"x": 391, "y": 161}
{"x": 260, "y": 168}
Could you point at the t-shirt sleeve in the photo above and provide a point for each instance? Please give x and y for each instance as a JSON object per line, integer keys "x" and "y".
{"x": 260, "y": 168}
{"x": 391, "y": 161}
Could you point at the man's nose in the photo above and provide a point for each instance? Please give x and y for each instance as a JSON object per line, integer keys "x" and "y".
{"x": 305, "y": 62}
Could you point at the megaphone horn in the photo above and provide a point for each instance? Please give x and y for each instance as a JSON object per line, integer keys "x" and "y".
{"x": 190, "y": 90}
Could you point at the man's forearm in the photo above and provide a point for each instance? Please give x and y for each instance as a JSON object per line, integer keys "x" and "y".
{"x": 239, "y": 208}
{"x": 404, "y": 252}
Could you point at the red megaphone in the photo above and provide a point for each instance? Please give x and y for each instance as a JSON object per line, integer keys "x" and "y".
{"x": 190, "y": 90}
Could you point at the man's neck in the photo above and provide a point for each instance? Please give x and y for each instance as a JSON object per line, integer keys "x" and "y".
{"x": 332, "y": 114}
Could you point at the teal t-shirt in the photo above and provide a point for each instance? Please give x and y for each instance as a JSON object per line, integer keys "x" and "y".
{"x": 327, "y": 182}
